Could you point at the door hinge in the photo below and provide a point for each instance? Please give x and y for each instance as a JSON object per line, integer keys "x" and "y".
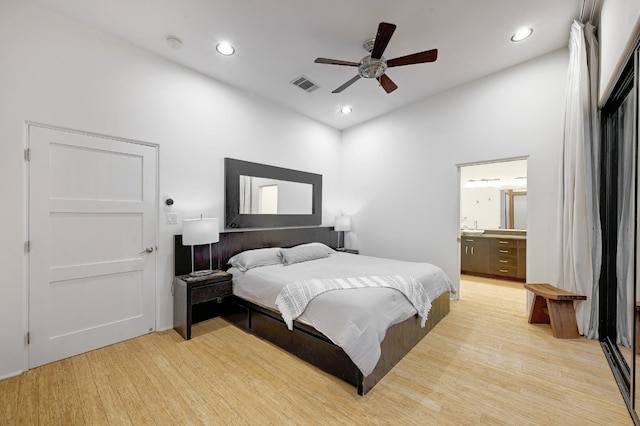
{"x": 28, "y": 338}
{"x": 27, "y": 154}
{"x": 27, "y": 246}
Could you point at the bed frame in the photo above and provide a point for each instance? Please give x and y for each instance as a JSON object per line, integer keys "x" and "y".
{"x": 304, "y": 341}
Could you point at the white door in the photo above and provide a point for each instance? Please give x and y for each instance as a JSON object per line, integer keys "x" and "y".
{"x": 92, "y": 234}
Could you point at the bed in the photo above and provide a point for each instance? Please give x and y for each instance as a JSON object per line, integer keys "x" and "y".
{"x": 313, "y": 339}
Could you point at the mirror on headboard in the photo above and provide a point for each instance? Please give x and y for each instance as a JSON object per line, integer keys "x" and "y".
{"x": 262, "y": 196}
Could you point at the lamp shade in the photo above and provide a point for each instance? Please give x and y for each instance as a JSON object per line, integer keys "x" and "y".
{"x": 200, "y": 231}
{"x": 343, "y": 223}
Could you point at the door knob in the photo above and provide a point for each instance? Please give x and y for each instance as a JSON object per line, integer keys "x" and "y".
{"x": 147, "y": 250}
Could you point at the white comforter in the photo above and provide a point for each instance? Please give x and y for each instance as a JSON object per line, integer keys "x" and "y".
{"x": 356, "y": 320}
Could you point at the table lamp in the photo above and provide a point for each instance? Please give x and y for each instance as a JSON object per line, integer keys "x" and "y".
{"x": 196, "y": 232}
{"x": 343, "y": 223}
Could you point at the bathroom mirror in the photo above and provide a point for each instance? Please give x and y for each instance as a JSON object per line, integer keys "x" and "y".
{"x": 513, "y": 209}
{"x": 494, "y": 195}
{"x": 263, "y": 196}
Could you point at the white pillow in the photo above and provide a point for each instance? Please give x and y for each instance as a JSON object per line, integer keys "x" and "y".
{"x": 257, "y": 257}
{"x": 328, "y": 249}
{"x": 302, "y": 254}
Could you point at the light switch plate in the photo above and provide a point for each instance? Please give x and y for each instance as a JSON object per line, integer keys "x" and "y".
{"x": 172, "y": 218}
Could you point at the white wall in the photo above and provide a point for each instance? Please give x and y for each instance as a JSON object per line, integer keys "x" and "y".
{"x": 400, "y": 170}
{"x": 480, "y": 206}
{"x": 617, "y": 32}
{"x": 57, "y": 72}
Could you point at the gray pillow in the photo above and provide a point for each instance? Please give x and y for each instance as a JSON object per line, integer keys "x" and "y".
{"x": 258, "y": 257}
{"x": 302, "y": 254}
{"x": 328, "y": 249}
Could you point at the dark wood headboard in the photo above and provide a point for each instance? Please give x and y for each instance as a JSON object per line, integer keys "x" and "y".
{"x": 233, "y": 242}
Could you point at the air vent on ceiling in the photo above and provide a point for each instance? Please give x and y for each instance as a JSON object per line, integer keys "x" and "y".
{"x": 305, "y": 84}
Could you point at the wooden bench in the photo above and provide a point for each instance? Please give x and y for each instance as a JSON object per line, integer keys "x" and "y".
{"x": 554, "y": 306}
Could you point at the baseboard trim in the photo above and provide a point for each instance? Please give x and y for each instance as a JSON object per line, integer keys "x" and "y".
{"x": 15, "y": 373}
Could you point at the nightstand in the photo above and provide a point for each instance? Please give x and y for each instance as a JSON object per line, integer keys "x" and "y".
{"x": 348, "y": 250}
{"x": 191, "y": 293}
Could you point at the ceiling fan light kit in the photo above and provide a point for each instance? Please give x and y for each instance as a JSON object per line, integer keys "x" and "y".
{"x": 375, "y": 65}
{"x": 372, "y": 68}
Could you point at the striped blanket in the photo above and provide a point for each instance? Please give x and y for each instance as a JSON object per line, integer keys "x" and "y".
{"x": 294, "y": 298}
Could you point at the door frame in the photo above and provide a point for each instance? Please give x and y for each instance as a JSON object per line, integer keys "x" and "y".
{"x": 459, "y": 167}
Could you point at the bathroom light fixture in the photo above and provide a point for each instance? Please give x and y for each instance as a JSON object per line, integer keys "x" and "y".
{"x": 483, "y": 183}
{"x": 521, "y": 34}
{"x": 225, "y": 48}
{"x": 515, "y": 183}
{"x": 520, "y": 181}
{"x": 346, "y": 109}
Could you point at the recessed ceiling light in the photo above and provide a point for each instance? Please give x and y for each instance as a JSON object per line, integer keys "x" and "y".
{"x": 521, "y": 34}
{"x": 174, "y": 42}
{"x": 346, "y": 110}
{"x": 225, "y": 48}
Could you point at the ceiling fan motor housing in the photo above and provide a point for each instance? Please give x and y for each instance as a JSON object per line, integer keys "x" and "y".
{"x": 372, "y": 68}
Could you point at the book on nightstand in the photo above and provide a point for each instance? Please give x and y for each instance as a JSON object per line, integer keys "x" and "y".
{"x": 216, "y": 275}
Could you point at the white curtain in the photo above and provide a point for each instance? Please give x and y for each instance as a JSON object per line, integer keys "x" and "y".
{"x": 580, "y": 244}
{"x": 624, "y": 127}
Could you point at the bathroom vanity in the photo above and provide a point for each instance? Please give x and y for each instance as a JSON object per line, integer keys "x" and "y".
{"x": 494, "y": 253}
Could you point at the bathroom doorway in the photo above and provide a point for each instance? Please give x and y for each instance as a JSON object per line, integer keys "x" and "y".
{"x": 493, "y": 221}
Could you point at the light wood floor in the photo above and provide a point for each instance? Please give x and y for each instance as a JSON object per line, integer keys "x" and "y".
{"x": 482, "y": 364}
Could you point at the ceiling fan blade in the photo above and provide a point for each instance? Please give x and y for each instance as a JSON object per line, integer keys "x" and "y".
{"x": 387, "y": 84}
{"x": 347, "y": 84}
{"x": 335, "y": 62}
{"x": 416, "y": 58}
{"x": 385, "y": 31}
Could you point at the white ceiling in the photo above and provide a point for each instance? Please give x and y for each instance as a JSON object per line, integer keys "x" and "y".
{"x": 278, "y": 40}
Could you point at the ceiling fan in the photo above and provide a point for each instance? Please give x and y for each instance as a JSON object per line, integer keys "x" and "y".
{"x": 375, "y": 65}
